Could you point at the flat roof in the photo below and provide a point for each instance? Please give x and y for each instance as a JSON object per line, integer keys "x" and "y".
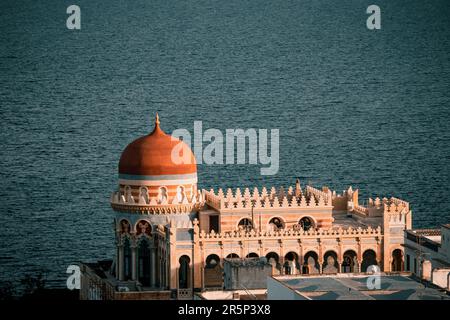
{"x": 344, "y": 221}
{"x": 426, "y": 237}
{"x": 354, "y": 287}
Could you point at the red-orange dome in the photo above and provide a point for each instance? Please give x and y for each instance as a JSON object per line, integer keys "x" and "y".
{"x": 151, "y": 155}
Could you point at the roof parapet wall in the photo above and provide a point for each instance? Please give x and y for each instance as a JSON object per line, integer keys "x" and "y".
{"x": 266, "y": 199}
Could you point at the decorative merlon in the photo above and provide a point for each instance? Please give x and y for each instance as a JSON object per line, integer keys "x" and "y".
{"x": 274, "y": 198}
{"x": 289, "y": 233}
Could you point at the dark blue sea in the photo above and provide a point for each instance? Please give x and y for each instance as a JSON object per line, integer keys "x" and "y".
{"x": 367, "y": 108}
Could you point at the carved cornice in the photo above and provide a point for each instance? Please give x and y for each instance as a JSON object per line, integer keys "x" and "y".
{"x": 157, "y": 209}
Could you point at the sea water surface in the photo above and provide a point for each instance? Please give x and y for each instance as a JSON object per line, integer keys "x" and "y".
{"x": 355, "y": 107}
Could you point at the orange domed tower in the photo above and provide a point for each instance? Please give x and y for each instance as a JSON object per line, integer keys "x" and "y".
{"x": 157, "y": 173}
{"x": 157, "y": 194}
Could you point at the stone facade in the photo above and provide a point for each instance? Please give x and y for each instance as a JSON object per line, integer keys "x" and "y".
{"x": 188, "y": 253}
{"x": 173, "y": 237}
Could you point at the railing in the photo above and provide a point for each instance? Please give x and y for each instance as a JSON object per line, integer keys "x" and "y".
{"x": 290, "y": 233}
{"x": 184, "y": 294}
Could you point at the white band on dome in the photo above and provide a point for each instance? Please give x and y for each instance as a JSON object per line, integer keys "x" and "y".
{"x": 157, "y": 180}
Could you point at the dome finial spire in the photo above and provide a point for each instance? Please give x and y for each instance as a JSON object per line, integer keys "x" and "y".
{"x": 156, "y": 128}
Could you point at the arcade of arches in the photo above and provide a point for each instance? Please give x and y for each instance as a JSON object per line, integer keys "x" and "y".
{"x": 143, "y": 256}
{"x": 292, "y": 264}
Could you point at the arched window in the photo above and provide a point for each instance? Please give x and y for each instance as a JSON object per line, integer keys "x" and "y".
{"x": 180, "y": 194}
{"x": 245, "y": 224}
{"x": 232, "y": 256}
{"x": 306, "y": 223}
{"x": 291, "y": 263}
{"x": 330, "y": 264}
{"x": 276, "y": 224}
{"x": 350, "y": 262}
{"x": 369, "y": 259}
{"x": 397, "y": 260}
{"x": 127, "y": 259}
{"x": 143, "y": 195}
{"x": 311, "y": 263}
{"x": 143, "y": 254}
{"x": 128, "y": 195}
{"x": 274, "y": 259}
{"x": 252, "y": 255}
{"x": 212, "y": 261}
{"x": 162, "y": 195}
{"x": 124, "y": 226}
{"x": 184, "y": 272}
{"x": 213, "y": 272}
{"x": 143, "y": 227}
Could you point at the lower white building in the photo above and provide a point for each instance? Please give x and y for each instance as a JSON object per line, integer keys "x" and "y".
{"x": 348, "y": 286}
{"x": 427, "y": 254}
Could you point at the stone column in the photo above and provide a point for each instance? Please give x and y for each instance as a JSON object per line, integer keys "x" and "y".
{"x": 152, "y": 267}
{"x": 120, "y": 262}
{"x": 281, "y": 257}
{"x": 133, "y": 263}
{"x": 161, "y": 273}
{"x": 300, "y": 257}
{"x": 320, "y": 257}
{"x": 165, "y": 273}
{"x": 379, "y": 255}
{"x": 196, "y": 259}
{"x": 359, "y": 254}
{"x": 171, "y": 253}
{"x": 164, "y": 284}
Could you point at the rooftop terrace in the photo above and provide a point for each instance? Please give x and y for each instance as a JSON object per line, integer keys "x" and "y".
{"x": 354, "y": 287}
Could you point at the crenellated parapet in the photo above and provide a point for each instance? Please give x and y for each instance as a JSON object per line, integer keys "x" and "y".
{"x": 267, "y": 199}
{"x": 396, "y": 212}
{"x": 326, "y": 196}
{"x": 361, "y": 210}
{"x": 378, "y": 207}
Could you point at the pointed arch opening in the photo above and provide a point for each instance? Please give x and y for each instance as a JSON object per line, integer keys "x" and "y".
{"x": 143, "y": 262}
{"x": 369, "y": 259}
{"x": 291, "y": 264}
{"x": 245, "y": 224}
{"x": 127, "y": 259}
{"x": 274, "y": 260}
{"x": 276, "y": 224}
{"x": 330, "y": 263}
{"x": 350, "y": 262}
{"x": 397, "y": 260}
{"x": 213, "y": 276}
{"x": 184, "y": 272}
{"x": 311, "y": 263}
